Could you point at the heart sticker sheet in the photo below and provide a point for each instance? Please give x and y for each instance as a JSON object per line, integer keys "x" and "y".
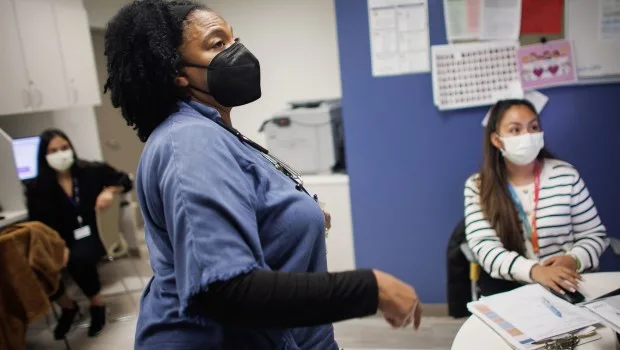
{"x": 546, "y": 65}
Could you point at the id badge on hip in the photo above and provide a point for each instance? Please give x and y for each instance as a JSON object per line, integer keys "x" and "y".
{"x": 81, "y": 232}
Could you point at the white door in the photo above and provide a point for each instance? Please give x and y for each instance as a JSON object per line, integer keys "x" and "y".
{"x": 77, "y": 53}
{"x": 14, "y": 94}
{"x": 37, "y": 29}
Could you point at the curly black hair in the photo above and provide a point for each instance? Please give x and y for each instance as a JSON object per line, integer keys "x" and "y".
{"x": 142, "y": 47}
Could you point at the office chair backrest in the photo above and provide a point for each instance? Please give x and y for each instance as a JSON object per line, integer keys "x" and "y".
{"x": 459, "y": 285}
{"x": 469, "y": 255}
{"x": 108, "y": 224}
{"x": 615, "y": 245}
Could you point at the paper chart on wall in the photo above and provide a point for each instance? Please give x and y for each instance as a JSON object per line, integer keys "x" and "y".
{"x": 542, "y": 17}
{"x": 609, "y": 11}
{"x": 476, "y": 74}
{"x": 546, "y": 65}
{"x": 596, "y": 58}
{"x": 462, "y": 19}
{"x": 500, "y": 19}
{"x": 399, "y": 37}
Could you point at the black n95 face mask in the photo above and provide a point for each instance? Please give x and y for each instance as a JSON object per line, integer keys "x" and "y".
{"x": 233, "y": 76}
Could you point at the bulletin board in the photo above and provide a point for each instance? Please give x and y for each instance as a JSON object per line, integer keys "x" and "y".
{"x": 597, "y": 58}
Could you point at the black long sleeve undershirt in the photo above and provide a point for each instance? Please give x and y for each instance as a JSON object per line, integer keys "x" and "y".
{"x": 288, "y": 300}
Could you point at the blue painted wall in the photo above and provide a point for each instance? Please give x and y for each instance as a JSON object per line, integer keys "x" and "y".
{"x": 408, "y": 161}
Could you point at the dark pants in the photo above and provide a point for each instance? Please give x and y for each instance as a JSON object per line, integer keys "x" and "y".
{"x": 82, "y": 267}
{"x": 85, "y": 276}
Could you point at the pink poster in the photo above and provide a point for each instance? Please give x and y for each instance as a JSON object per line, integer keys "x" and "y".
{"x": 548, "y": 64}
{"x": 473, "y": 15}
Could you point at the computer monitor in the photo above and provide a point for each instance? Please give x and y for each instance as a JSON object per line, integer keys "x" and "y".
{"x": 25, "y": 151}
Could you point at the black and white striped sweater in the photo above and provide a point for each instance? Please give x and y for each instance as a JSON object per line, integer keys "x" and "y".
{"x": 566, "y": 219}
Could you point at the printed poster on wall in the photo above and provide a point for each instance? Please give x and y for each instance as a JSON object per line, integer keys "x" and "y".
{"x": 610, "y": 19}
{"x": 462, "y": 19}
{"x": 399, "y": 37}
{"x": 546, "y": 65}
{"x": 475, "y": 74}
{"x": 542, "y": 17}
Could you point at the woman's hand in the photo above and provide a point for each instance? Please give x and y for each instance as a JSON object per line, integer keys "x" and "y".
{"x": 104, "y": 199}
{"x": 398, "y": 301}
{"x": 65, "y": 258}
{"x": 558, "y": 278}
{"x": 562, "y": 260}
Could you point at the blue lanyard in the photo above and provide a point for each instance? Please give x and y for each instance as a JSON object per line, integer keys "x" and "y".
{"x": 522, "y": 214}
{"x": 530, "y": 229}
{"x": 75, "y": 200}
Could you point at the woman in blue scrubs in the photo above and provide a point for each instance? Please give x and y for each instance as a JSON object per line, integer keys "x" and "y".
{"x": 236, "y": 243}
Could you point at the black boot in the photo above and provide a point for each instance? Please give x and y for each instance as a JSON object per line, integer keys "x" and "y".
{"x": 97, "y": 320}
{"x": 66, "y": 320}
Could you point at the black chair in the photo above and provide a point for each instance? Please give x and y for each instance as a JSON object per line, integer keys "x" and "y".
{"x": 462, "y": 272}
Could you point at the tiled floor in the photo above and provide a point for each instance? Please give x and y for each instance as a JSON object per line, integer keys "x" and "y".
{"x": 435, "y": 334}
{"x": 124, "y": 279}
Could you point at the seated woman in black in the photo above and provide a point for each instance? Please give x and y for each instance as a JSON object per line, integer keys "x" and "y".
{"x": 64, "y": 196}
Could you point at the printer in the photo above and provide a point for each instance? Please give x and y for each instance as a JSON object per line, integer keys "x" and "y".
{"x": 308, "y": 136}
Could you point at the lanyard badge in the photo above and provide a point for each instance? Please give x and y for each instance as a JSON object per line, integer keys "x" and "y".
{"x": 530, "y": 227}
{"x": 75, "y": 200}
{"x": 281, "y": 166}
{"x": 82, "y": 231}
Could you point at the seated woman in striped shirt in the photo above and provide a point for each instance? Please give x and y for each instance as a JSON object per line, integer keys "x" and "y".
{"x": 529, "y": 217}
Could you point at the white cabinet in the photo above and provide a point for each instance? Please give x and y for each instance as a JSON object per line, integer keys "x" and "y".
{"x": 333, "y": 190}
{"x": 47, "y": 61}
{"x": 77, "y": 52}
{"x": 14, "y": 90}
{"x": 41, "y": 47}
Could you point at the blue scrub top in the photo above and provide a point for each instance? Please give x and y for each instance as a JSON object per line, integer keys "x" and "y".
{"x": 215, "y": 208}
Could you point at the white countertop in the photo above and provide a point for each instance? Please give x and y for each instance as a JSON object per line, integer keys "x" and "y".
{"x": 11, "y": 217}
{"x": 326, "y": 179}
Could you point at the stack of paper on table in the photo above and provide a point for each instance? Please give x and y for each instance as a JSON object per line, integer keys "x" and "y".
{"x": 592, "y": 289}
{"x": 608, "y": 310}
{"x": 530, "y": 314}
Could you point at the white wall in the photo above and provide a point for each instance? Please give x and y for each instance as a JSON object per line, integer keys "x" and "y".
{"x": 80, "y": 124}
{"x": 297, "y": 46}
{"x": 295, "y": 41}
{"x": 100, "y": 11}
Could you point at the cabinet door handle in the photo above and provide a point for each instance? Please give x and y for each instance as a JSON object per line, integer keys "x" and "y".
{"x": 27, "y": 99}
{"x": 39, "y": 98}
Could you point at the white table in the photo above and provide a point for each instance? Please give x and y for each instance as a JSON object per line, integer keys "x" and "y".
{"x": 11, "y": 217}
{"x": 475, "y": 334}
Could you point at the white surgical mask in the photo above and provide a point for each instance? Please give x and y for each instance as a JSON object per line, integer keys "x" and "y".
{"x": 61, "y": 160}
{"x": 523, "y": 149}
